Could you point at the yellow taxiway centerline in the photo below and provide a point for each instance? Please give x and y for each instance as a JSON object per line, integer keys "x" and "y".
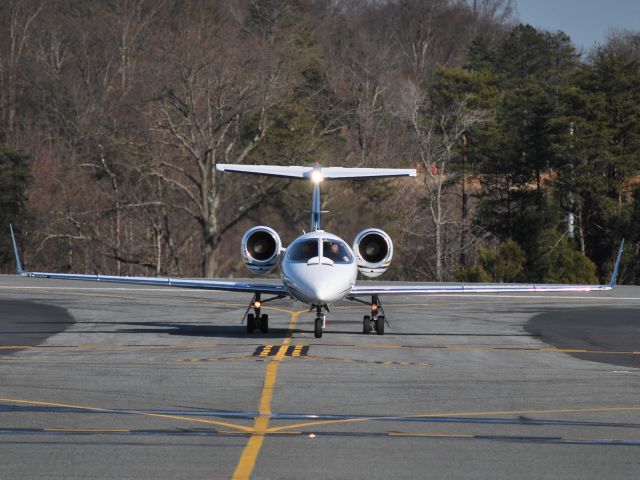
{"x": 249, "y": 455}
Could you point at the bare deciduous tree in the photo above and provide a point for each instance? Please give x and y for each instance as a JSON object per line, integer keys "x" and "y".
{"x": 216, "y": 106}
{"x": 438, "y": 133}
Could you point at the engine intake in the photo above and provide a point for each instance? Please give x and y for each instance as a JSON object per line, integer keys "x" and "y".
{"x": 261, "y": 248}
{"x": 374, "y": 251}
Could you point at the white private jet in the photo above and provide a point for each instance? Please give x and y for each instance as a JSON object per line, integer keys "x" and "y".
{"x": 319, "y": 268}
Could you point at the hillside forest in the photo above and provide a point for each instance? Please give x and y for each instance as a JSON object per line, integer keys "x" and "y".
{"x": 114, "y": 114}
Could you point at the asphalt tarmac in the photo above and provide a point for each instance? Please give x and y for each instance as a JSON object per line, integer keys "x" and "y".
{"x": 109, "y": 382}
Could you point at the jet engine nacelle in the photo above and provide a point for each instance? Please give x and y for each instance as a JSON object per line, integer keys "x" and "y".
{"x": 261, "y": 248}
{"x": 374, "y": 250}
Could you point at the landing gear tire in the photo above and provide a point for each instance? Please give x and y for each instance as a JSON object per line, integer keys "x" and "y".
{"x": 318, "y": 328}
{"x": 380, "y": 325}
{"x": 251, "y": 323}
{"x": 366, "y": 324}
{"x": 264, "y": 323}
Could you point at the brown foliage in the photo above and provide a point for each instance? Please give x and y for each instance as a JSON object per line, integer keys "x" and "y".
{"x": 126, "y": 106}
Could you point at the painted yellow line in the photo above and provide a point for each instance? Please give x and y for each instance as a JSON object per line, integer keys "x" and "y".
{"x": 157, "y": 415}
{"x": 249, "y": 455}
{"x": 284, "y": 310}
{"x": 459, "y": 414}
{"x": 532, "y": 411}
{"x": 266, "y": 350}
{"x": 116, "y": 346}
{"x": 500, "y": 300}
{"x": 430, "y": 435}
{"x": 178, "y": 299}
{"x": 87, "y": 430}
{"x": 298, "y": 348}
{"x": 95, "y": 292}
{"x": 319, "y": 423}
{"x": 481, "y": 348}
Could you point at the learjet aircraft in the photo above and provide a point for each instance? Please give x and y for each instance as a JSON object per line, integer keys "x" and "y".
{"x": 319, "y": 268}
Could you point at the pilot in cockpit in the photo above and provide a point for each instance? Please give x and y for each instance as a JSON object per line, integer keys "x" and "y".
{"x": 335, "y": 253}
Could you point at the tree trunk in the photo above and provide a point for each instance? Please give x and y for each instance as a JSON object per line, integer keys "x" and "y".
{"x": 583, "y": 248}
{"x": 439, "y": 275}
{"x": 464, "y": 208}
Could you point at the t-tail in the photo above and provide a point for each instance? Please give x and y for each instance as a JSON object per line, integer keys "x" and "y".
{"x": 316, "y": 175}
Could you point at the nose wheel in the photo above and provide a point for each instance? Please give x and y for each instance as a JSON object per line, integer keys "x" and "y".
{"x": 320, "y": 323}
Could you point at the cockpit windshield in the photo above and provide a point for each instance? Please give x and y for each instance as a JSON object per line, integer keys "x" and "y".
{"x": 303, "y": 251}
{"x": 336, "y": 251}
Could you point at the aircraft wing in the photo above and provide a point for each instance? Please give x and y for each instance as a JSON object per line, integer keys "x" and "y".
{"x": 396, "y": 289}
{"x": 200, "y": 284}
{"x": 440, "y": 288}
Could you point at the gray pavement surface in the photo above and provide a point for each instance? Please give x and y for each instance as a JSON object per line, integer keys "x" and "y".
{"x": 110, "y": 382}
{"x": 28, "y": 323}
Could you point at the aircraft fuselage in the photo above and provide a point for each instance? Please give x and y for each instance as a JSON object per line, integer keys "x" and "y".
{"x": 319, "y": 268}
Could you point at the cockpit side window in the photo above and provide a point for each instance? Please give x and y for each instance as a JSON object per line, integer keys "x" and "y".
{"x": 303, "y": 251}
{"x": 336, "y": 251}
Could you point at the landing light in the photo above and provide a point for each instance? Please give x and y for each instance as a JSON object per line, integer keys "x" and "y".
{"x": 316, "y": 176}
{"x": 257, "y": 304}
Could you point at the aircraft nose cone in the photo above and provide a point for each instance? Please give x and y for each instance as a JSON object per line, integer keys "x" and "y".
{"x": 329, "y": 291}
{"x": 323, "y": 292}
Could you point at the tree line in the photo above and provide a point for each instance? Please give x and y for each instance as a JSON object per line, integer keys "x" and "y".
{"x": 113, "y": 115}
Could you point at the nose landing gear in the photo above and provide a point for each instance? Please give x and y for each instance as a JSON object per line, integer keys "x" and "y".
{"x": 321, "y": 321}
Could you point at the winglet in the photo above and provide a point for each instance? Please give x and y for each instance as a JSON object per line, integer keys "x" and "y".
{"x": 614, "y": 275}
{"x": 19, "y": 269}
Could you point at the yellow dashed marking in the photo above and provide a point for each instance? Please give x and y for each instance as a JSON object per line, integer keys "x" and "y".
{"x": 265, "y": 351}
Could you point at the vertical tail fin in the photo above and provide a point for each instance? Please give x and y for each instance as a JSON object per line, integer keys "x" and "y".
{"x": 614, "y": 275}
{"x": 19, "y": 269}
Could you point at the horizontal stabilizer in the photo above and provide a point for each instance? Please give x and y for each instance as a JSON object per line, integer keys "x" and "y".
{"x": 328, "y": 173}
{"x": 343, "y": 172}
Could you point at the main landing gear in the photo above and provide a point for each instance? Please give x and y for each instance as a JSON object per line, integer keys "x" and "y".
{"x": 376, "y": 321}
{"x": 258, "y": 320}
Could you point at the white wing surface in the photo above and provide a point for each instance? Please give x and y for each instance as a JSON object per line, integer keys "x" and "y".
{"x": 344, "y": 172}
{"x": 268, "y": 170}
{"x": 328, "y": 173}
{"x": 200, "y": 284}
{"x": 441, "y": 288}
{"x": 398, "y": 289}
